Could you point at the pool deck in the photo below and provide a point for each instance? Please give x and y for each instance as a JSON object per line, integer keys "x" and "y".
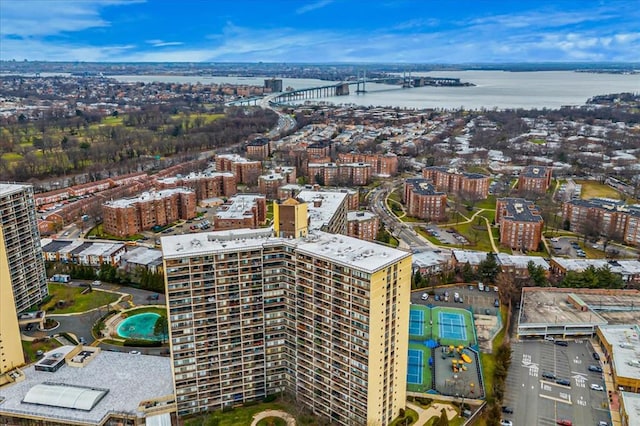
{"x": 111, "y": 324}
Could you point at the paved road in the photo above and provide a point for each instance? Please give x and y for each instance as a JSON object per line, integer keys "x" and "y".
{"x": 540, "y": 401}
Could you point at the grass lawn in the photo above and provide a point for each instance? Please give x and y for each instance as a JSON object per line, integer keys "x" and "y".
{"x": 98, "y": 232}
{"x": 152, "y": 309}
{"x": 470, "y": 233}
{"x": 241, "y": 416}
{"x": 408, "y": 413}
{"x": 272, "y": 421}
{"x": 11, "y": 156}
{"x": 456, "y": 421}
{"x": 410, "y": 219}
{"x": 30, "y": 348}
{"x": 489, "y": 203}
{"x": 75, "y": 301}
{"x": 592, "y": 189}
{"x": 112, "y": 121}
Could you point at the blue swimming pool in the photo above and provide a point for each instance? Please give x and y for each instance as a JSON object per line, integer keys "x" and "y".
{"x": 140, "y": 326}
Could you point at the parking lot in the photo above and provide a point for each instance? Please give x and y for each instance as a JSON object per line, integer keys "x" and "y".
{"x": 482, "y": 302}
{"x": 446, "y": 236}
{"x": 536, "y": 397}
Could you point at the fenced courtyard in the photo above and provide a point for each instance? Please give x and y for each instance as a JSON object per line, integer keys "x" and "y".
{"x": 443, "y": 352}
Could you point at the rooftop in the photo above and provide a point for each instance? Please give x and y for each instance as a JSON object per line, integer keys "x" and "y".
{"x": 147, "y": 196}
{"x": 238, "y": 207}
{"x": 423, "y": 186}
{"x": 195, "y": 176}
{"x": 535, "y": 171}
{"x": 348, "y": 251}
{"x": 127, "y": 380}
{"x": 472, "y": 257}
{"x": 550, "y": 305}
{"x": 143, "y": 256}
{"x": 625, "y": 345}
{"x": 623, "y": 267}
{"x": 236, "y": 158}
{"x": 631, "y": 402}
{"x": 81, "y": 248}
{"x": 329, "y": 202}
{"x": 11, "y": 188}
{"x": 521, "y": 262}
{"x": 520, "y": 210}
{"x": 360, "y": 216}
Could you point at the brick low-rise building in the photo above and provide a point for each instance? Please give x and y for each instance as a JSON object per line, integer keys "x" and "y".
{"x": 259, "y": 149}
{"x": 470, "y": 185}
{"x": 241, "y": 211}
{"x": 520, "y": 223}
{"x": 246, "y": 171}
{"x": 362, "y": 225}
{"x": 129, "y": 216}
{"x": 205, "y": 185}
{"x": 423, "y": 201}
{"x": 384, "y": 165}
{"x": 534, "y": 179}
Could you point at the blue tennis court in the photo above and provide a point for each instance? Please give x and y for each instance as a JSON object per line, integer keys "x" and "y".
{"x": 414, "y": 367}
{"x": 452, "y": 326}
{"x": 416, "y": 322}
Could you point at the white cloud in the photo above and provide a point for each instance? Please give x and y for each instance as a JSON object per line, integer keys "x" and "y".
{"x": 160, "y": 43}
{"x": 313, "y": 6}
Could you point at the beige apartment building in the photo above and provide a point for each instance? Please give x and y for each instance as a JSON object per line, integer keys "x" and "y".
{"x": 324, "y": 318}
{"x": 21, "y": 245}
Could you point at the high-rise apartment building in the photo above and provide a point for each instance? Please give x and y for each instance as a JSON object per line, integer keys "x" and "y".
{"x": 21, "y": 243}
{"x": 11, "y": 355}
{"x": 324, "y": 318}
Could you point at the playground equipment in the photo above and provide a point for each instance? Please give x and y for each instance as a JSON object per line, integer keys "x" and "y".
{"x": 466, "y": 358}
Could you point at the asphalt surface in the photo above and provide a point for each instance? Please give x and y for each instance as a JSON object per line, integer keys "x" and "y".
{"x": 536, "y": 400}
{"x": 481, "y": 301}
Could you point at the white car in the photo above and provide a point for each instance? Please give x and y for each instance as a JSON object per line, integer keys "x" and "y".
{"x": 96, "y": 283}
{"x": 597, "y": 387}
{"x": 506, "y": 423}
{"x": 424, "y": 296}
{"x": 134, "y": 352}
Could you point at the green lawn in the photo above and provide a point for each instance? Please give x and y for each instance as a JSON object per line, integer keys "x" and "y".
{"x": 408, "y": 413}
{"x": 241, "y": 416}
{"x": 74, "y": 300}
{"x": 472, "y": 231}
{"x": 98, "y": 232}
{"x": 272, "y": 421}
{"x": 30, "y": 348}
{"x": 489, "y": 203}
{"x": 152, "y": 309}
{"x": 592, "y": 189}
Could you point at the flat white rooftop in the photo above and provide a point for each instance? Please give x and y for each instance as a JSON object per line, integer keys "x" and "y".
{"x": 360, "y": 216}
{"x": 625, "y": 345}
{"x": 329, "y": 202}
{"x": 631, "y": 402}
{"x": 348, "y": 251}
{"x": 147, "y": 196}
{"x": 129, "y": 379}
{"x": 238, "y": 207}
{"x": 195, "y": 176}
{"x": 11, "y": 188}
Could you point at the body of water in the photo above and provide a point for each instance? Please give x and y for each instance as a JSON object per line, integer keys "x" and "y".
{"x": 493, "y": 89}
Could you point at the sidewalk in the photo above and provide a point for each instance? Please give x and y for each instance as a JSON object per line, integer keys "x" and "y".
{"x": 614, "y": 403}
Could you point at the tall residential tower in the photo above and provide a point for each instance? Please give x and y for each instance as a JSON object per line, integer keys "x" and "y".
{"x": 324, "y": 318}
{"x": 21, "y": 244}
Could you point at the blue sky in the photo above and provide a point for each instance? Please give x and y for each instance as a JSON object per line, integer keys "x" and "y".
{"x": 391, "y": 31}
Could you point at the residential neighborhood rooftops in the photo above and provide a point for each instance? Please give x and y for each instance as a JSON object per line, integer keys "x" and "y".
{"x": 535, "y": 171}
{"x": 423, "y": 187}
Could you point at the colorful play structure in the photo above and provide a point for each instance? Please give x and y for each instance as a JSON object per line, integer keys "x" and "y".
{"x": 456, "y": 364}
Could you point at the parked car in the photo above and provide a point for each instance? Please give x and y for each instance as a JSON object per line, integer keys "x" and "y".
{"x": 134, "y": 352}
{"x": 563, "y": 382}
{"x": 96, "y": 283}
{"x": 564, "y": 422}
{"x": 596, "y": 356}
{"x": 595, "y": 368}
{"x": 507, "y": 410}
{"x": 549, "y": 338}
{"x": 597, "y": 387}
{"x": 424, "y": 296}
{"x": 548, "y": 375}
{"x": 496, "y": 303}
{"x": 561, "y": 343}
{"x": 506, "y": 423}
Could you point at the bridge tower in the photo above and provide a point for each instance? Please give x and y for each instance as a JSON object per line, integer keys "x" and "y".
{"x": 364, "y": 80}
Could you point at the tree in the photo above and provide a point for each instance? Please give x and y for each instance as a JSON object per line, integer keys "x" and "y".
{"x": 488, "y": 269}
{"x": 443, "y": 420}
{"x": 468, "y": 273}
{"x": 161, "y": 328}
{"x": 537, "y": 274}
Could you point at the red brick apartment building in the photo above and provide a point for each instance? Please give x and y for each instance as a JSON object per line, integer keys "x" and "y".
{"x": 328, "y": 174}
{"x": 129, "y": 216}
{"x": 245, "y": 171}
{"x": 453, "y": 181}
{"x": 381, "y": 164}
{"x": 520, "y": 223}
{"x": 612, "y": 218}
{"x": 259, "y": 149}
{"x": 319, "y": 149}
{"x": 205, "y": 185}
{"x": 423, "y": 201}
{"x": 241, "y": 211}
{"x": 535, "y": 179}
{"x": 362, "y": 225}
{"x": 269, "y": 183}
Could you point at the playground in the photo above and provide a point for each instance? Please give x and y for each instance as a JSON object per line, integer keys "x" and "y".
{"x": 443, "y": 355}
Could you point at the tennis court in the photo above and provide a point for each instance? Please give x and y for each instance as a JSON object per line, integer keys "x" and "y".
{"x": 452, "y": 326}
{"x": 416, "y": 322}
{"x": 414, "y": 367}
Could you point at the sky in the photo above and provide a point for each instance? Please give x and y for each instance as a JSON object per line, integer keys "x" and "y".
{"x": 321, "y": 31}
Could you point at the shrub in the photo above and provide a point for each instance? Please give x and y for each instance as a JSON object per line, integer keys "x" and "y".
{"x": 270, "y": 398}
{"x": 142, "y": 343}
